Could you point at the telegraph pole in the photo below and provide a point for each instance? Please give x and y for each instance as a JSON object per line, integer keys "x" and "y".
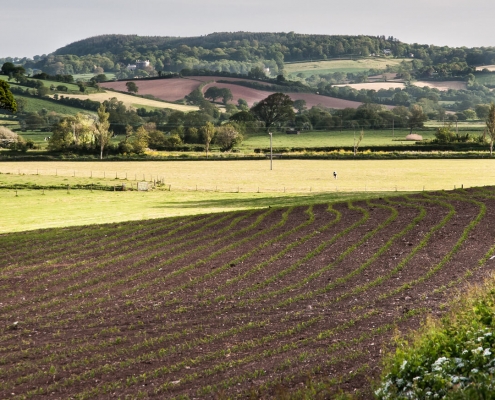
{"x": 271, "y": 151}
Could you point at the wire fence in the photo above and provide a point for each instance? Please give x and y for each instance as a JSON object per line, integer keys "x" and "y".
{"x": 125, "y": 181}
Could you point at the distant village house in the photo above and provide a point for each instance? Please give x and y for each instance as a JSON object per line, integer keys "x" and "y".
{"x": 138, "y": 65}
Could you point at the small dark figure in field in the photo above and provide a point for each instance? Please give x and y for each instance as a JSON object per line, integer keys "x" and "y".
{"x": 334, "y": 174}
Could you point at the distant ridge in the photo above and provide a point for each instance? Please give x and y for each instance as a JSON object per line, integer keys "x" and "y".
{"x": 116, "y": 44}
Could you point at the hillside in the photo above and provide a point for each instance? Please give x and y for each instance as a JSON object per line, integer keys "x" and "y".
{"x": 234, "y": 304}
{"x": 238, "y": 52}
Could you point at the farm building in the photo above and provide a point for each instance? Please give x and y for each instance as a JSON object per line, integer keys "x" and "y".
{"x": 138, "y": 65}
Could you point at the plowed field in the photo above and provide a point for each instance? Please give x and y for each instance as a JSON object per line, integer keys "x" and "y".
{"x": 165, "y": 89}
{"x": 177, "y": 89}
{"x": 237, "y": 303}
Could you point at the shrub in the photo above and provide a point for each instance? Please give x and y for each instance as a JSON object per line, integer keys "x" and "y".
{"x": 7, "y": 137}
{"x": 451, "y": 358}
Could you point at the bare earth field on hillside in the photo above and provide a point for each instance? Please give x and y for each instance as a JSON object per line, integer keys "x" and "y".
{"x": 234, "y": 304}
{"x": 255, "y": 95}
{"x": 442, "y": 86}
{"x": 175, "y": 89}
{"x": 165, "y": 89}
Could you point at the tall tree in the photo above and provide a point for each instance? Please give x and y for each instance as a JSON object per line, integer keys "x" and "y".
{"x": 7, "y": 101}
{"x": 417, "y": 118}
{"x": 102, "y": 132}
{"x": 213, "y": 93}
{"x": 226, "y": 95}
{"x": 208, "y": 132}
{"x": 490, "y": 125}
{"x": 277, "y": 107}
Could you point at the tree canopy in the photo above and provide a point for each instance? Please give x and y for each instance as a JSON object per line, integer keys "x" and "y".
{"x": 278, "y": 107}
{"x": 131, "y": 87}
{"x": 490, "y": 125}
{"x": 7, "y": 101}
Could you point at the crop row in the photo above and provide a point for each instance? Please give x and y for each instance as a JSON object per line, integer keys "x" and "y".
{"x": 248, "y": 300}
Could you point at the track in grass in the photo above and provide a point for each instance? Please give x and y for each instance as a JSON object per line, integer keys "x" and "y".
{"x": 236, "y": 303}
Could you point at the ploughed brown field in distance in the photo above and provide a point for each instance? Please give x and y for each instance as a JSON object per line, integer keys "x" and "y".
{"x": 239, "y": 304}
{"x": 177, "y": 88}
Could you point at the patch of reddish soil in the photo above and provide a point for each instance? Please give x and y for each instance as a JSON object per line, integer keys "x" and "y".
{"x": 255, "y": 95}
{"x": 228, "y": 79}
{"x": 164, "y": 89}
{"x": 242, "y": 304}
{"x": 177, "y": 88}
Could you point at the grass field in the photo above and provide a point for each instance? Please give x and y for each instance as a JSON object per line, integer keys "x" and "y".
{"x": 35, "y": 104}
{"x": 328, "y": 67}
{"x": 37, "y": 209}
{"x": 475, "y": 127}
{"x": 217, "y": 184}
{"x": 296, "y": 176}
{"x": 87, "y": 77}
{"x": 331, "y": 138}
{"x": 485, "y": 79}
{"x": 70, "y": 86}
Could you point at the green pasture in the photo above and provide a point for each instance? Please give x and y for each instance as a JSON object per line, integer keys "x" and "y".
{"x": 38, "y": 209}
{"x": 327, "y": 67}
{"x": 35, "y": 104}
{"x": 70, "y": 86}
{"x": 210, "y": 186}
{"x": 474, "y": 126}
{"x": 485, "y": 78}
{"x": 6, "y": 120}
{"x": 331, "y": 138}
{"x": 87, "y": 77}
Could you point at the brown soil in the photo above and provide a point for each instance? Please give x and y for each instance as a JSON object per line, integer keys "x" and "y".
{"x": 177, "y": 88}
{"x": 164, "y": 89}
{"x": 240, "y": 304}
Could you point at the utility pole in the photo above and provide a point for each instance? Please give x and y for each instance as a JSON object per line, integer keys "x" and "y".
{"x": 271, "y": 152}
{"x": 393, "y": 128}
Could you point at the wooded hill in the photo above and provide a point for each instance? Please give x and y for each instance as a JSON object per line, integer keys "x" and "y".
{"x": 238, "y": 52}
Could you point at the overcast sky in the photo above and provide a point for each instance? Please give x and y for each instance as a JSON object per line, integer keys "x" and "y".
{"x": 34, "y": 27}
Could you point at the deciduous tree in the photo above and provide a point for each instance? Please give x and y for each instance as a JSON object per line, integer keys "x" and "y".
{"x": 277, "y": 107}
{"x": 131, "y": 87}
{"x": 102, "y": 132}
{"x": 207, "y": 132}
{"x": 227, "y": 137}
{"x": 7, "y": 101}
{"x": 417, "y": 118}
{"x": 140, "y": 140}
{"x": 490, "y": 126}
